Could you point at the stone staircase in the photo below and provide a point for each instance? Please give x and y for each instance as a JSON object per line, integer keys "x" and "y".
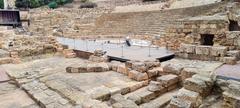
{"x": 157, "y": 94}
{"x": 152, "y": 23}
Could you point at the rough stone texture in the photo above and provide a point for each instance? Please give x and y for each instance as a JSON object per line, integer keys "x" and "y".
{"x": 196, "y": 85}
{"x": 94, "y": 58}
{"x": 203, "y": 50}
{"x": 97, "y": 67}
{"x": 155, "y": 86}
{"x": 138, "y": 76}
{"x": 100, "y": 93}
{"x": 168, "y": 80}
{"x": 234, "y": 53}
{"x": 230, "y": 60}
{"x": 218, "y": 51}
{"x": 139, "y": 66}
{"x": 188, "y": 73}
{"x": 154, "y": 72}
{"x": 45, "y": 97}
{"x": 173, "y": 69}
{"x": 187, "y": 95}
{"x": 230, "y": 100}
{"x": 178, "y": 103}
{"x": 122, "y": 69}
{"x": 187, "y": 48}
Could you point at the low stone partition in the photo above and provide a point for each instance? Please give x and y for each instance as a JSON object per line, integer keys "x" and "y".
{"x": 88, "y": 67}
{"x": 212, "y": 53}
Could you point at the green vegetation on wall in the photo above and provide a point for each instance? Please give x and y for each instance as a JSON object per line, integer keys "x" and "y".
{"x": 38, "y": 3}
{"x": 1, "y": 4}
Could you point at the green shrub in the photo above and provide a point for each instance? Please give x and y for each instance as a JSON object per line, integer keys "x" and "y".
{"x": 53, "y": 5}
{"x": 1, "y": 4}
{"x": 22, "y": 3}
{"x": 34, "y": 3}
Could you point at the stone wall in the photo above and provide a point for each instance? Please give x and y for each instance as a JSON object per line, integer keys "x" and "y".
{"x": 190, "y": 31}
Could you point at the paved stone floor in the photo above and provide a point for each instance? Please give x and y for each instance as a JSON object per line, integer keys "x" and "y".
{"x": 50, "y": 74}
{"x": 229, "y": 72}
{"x": 13, "y": 97}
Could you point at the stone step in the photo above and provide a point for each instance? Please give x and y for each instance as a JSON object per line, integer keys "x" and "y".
{"x": 160, "y": 101}
{"x": 143, "y": 95}
{"x": 44, "y": 96}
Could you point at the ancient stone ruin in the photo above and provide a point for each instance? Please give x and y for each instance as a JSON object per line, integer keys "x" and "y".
{"x": 122, "y": 54}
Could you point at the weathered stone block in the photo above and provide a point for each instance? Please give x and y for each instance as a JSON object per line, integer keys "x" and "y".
{"x": 191, "y": 96}
{"x": 179, "y": 103}
{"x": 187, "y": 48}
{"x": 154, "y": 72}
{"x": 97, "y": 67}
{"x": 230, "y": 60}
{"x": 168, "y": 80}
{"x": 122, "y": 69}
{"x": 234, "y": 53}
{"x": 139, "y": 66}
{"x": 137, "y": 75}
{"x": 155, "y": 86}
{"x": 173, "y": 69}
{"x": 230, "y": 100}
{"x": 203, "y": 50}
{"x": 218, "y": 51}
{"x": 188, "y": 73}
{"x": 196, "y": 85}
{"x": 101, "y": 93}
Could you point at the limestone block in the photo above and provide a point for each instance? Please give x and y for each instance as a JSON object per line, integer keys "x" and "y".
{"x": 114, "y": 65}
{"x": 190, "y": 96}
{"x": 101, "y": 93}
{"x": 122, "y": 69}
{"x": 206, "y": 79}
{"x": 168, "y": 80}
{"x": 97, "y": 67}
{"x": 188, "y": 73}
{"x": 135, "y": 98}
{"x": 203, "y": 50}
{"x": 230, "y": 100}
{"x": 155, "y": 86}
{"x": 154, "y": 72}
{"x": 179, "y": 103}
{"x": 125, "y": 104}
{"x": 187, "y": 48}
{"x": 98, "y": 59}
{"x": 234, "y": 53}
{"x": 152, "y": 64}
{"x": 196, "y": 85}
{"x": 138, "y": 76}
{"x": 139, "y": 66}
{"x": 173, "y": 69}
{"x": 147, "y": 96}
{"x": 230, "y": 60}
{"x": 116, "y": 98}
{"x": 218, "y": 51}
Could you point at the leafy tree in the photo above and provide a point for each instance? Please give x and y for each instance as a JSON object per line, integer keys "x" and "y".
{"x": 1, "y": 4}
